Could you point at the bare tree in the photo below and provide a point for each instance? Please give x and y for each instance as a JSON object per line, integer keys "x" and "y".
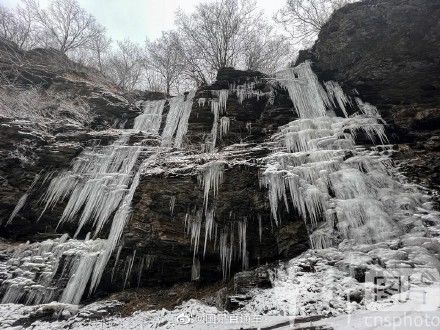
{"x": 164, "y": 57}
{"x": 124, "y": 67}
{"x": 66, "y": 25}
{"x": 96, "y": 54}
{"x": 265, "y": 50}
{"x": 100, "y": 46}
{"x": 212, "y": 36}
{"x": 303, "y": 19}
{"x": 7, "y": 23}
{"x": 152, "y": 81}
{"x": 19, "y": 26}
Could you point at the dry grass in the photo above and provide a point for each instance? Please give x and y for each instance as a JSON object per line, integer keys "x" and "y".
{"x": 42, "y": 107}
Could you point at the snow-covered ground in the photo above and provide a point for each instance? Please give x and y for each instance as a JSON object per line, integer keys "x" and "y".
{"x": 317, "y": 288}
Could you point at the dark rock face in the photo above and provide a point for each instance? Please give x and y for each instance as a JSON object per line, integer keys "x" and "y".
{"x": 227, "y": 76}
{"x": 389, "y": 52}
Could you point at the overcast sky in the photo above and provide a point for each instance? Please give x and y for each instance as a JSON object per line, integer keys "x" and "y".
{"x": 138, "y": 19}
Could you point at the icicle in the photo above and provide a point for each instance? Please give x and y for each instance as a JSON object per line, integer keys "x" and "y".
{"x": 195, "y": 228}
{"x": 249, "y": 127}
{"x": 224, "y": 126}
{"x": 116, "y": 262}
{"x": 141, "y": 268}
{"x": 242, "y": 243}
{"x": 215, "y": 109}
{"x": 18, "y": 207}
{"x": 335, "y": 92}
{"x": 130, "y": 267}
{"x": 22, "y": 201}
{"x": 260, "y": 227}
{"x": 78, "y": 279}
{"x": 149, "y": 260}
{"x": 367, "y": 108}
{"x": 195, "y": 270}
{"x": 226, "y": 252}
{"x": 172, "y": 204}
{"x": 246, "y": 91}
{"x": 182, "y": 129}
{"x": 275, "y": 182}
{"x": 222, "y": 96}
{"x": 320, "y": 240}
{"x": 307, "y": 94}
{"x": 210, "y": 178}
{"x": 209, "y": 223}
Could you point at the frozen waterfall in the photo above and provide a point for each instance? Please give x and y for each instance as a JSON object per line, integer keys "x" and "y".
{"x": 316, "y": 170}
{"x": 151, "y": 119}
{"x": 97, "y": 190}
{"x": 340, "y": 190}
{"x": 177, "y": 120}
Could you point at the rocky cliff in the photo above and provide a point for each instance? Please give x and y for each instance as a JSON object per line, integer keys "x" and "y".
{"x": 54, "y": 111}
{"x": 188, "y": 193}
{"x": 389, "y": 52}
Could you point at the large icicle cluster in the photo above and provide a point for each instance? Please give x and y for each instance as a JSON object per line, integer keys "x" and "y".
{"x": 42, "y": 270}
{"x": 228, "y": 239}
{"x": 222, "y": 96}
{"x": 341, "y": 190}
{"x": 309, "y": 97}
{"x": 210, "y": 179}
{"x": 247, "y": 91}
{"x": 98, "y": 190}
{"x": 96, "y": 184}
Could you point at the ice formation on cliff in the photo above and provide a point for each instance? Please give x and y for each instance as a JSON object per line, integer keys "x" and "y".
{"x": 151, "y": 119}
{"x": 338, "y": 188}
{"x": 99, "y": 188}
{"x": 177, "y": 120}
{"x": 341, "y": 190}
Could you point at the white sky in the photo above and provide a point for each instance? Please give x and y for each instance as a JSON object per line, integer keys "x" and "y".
{"x": 138, "y": 19}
